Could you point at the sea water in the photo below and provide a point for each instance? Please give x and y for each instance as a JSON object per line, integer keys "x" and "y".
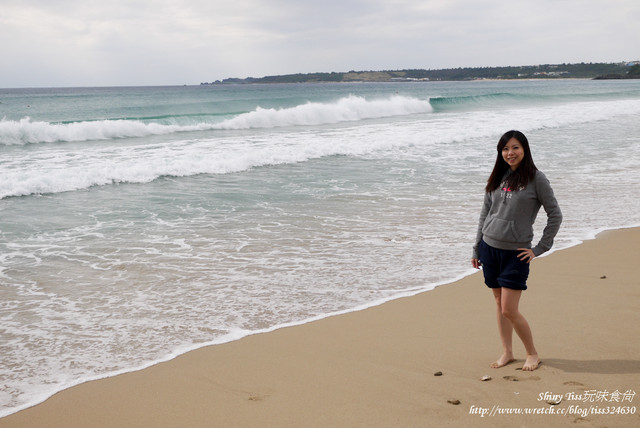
{"x": 139, "y": 223}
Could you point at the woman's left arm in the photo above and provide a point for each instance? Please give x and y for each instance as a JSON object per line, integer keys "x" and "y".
{"x": 554, "y": 214}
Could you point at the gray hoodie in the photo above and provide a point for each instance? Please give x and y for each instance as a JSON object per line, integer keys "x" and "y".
{"x": 507, "y": 216}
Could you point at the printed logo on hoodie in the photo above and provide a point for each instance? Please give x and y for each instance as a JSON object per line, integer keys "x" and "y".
{"x": 507, "y": 192}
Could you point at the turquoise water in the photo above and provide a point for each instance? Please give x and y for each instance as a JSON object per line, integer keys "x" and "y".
{"x": 139, "y": 223}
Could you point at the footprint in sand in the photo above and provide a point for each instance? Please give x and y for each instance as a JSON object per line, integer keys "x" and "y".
{"x": 573, "y": 383}
{"x": 256, "y": 397}
{"x": 518, "y": 379}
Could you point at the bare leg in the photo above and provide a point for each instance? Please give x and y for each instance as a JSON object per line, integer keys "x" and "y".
{"x": 506, "y": 332}
{"x": 509, "y": 304}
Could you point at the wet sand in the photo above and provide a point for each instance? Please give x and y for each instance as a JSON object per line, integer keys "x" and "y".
{"x": 377, "y": 367}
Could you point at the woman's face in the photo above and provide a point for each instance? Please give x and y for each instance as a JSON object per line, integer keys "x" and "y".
{"x": 513, "y": 153}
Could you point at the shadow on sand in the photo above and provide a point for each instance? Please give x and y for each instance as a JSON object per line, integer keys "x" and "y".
{"x": 594, "y": 366}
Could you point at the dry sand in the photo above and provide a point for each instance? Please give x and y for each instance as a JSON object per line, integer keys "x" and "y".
{"x": 375, "y": 368}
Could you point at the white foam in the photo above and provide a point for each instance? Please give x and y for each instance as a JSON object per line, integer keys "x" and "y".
{"x": 26, "y": 131}
{"x": 351, "y": 108}
{"x": 58, "y": 170}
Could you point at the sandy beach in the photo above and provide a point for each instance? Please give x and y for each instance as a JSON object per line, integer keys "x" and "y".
{"x": 377, "y": 367}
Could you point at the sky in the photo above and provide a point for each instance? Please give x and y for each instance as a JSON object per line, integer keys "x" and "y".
{"x": 57, "y": 43}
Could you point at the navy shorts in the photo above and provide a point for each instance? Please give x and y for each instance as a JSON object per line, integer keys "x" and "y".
{"x": 503, "y": 268}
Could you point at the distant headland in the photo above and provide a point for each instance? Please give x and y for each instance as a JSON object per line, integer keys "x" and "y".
{"x": 621, "y": 70}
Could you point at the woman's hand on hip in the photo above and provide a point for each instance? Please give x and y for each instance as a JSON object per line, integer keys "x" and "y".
{"x": 526, "y": 255}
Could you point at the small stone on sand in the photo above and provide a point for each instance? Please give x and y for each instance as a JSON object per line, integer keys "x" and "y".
{"x": 486, "y": 378}
{"x": 454, "y": 402}
{"x": 437, "y": 374}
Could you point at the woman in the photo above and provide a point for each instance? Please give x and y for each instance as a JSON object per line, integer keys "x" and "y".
{"x": 514, "y": 193}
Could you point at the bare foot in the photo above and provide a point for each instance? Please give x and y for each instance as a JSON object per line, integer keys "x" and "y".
{"x": 531, "y": 363}
{"x": 504, "y": 359}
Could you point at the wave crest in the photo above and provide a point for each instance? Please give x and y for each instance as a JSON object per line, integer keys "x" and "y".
{"x": 348, "y": 109}
{"x": 26, "y": 131}
{"x": 351, "y": 108}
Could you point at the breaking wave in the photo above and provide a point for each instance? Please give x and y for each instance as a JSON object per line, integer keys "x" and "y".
{"x": 347, "y": 109}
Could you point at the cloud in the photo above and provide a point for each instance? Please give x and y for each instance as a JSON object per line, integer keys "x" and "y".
{"x": 70, "y": 42}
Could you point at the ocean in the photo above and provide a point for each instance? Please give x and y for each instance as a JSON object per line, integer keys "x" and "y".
{"x": 139, "y": 223}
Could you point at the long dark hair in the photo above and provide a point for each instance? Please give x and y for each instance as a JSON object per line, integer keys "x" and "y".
{"x": 525, "y": 172}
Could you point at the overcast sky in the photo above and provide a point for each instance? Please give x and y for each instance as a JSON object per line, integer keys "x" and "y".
{"x": 174, "y": 42}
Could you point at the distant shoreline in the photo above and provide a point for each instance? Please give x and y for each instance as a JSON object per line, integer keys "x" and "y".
{"x": 600, "y": 71}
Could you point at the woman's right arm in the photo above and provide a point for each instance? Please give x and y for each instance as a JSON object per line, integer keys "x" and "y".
{"x": 486, "y": 206}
